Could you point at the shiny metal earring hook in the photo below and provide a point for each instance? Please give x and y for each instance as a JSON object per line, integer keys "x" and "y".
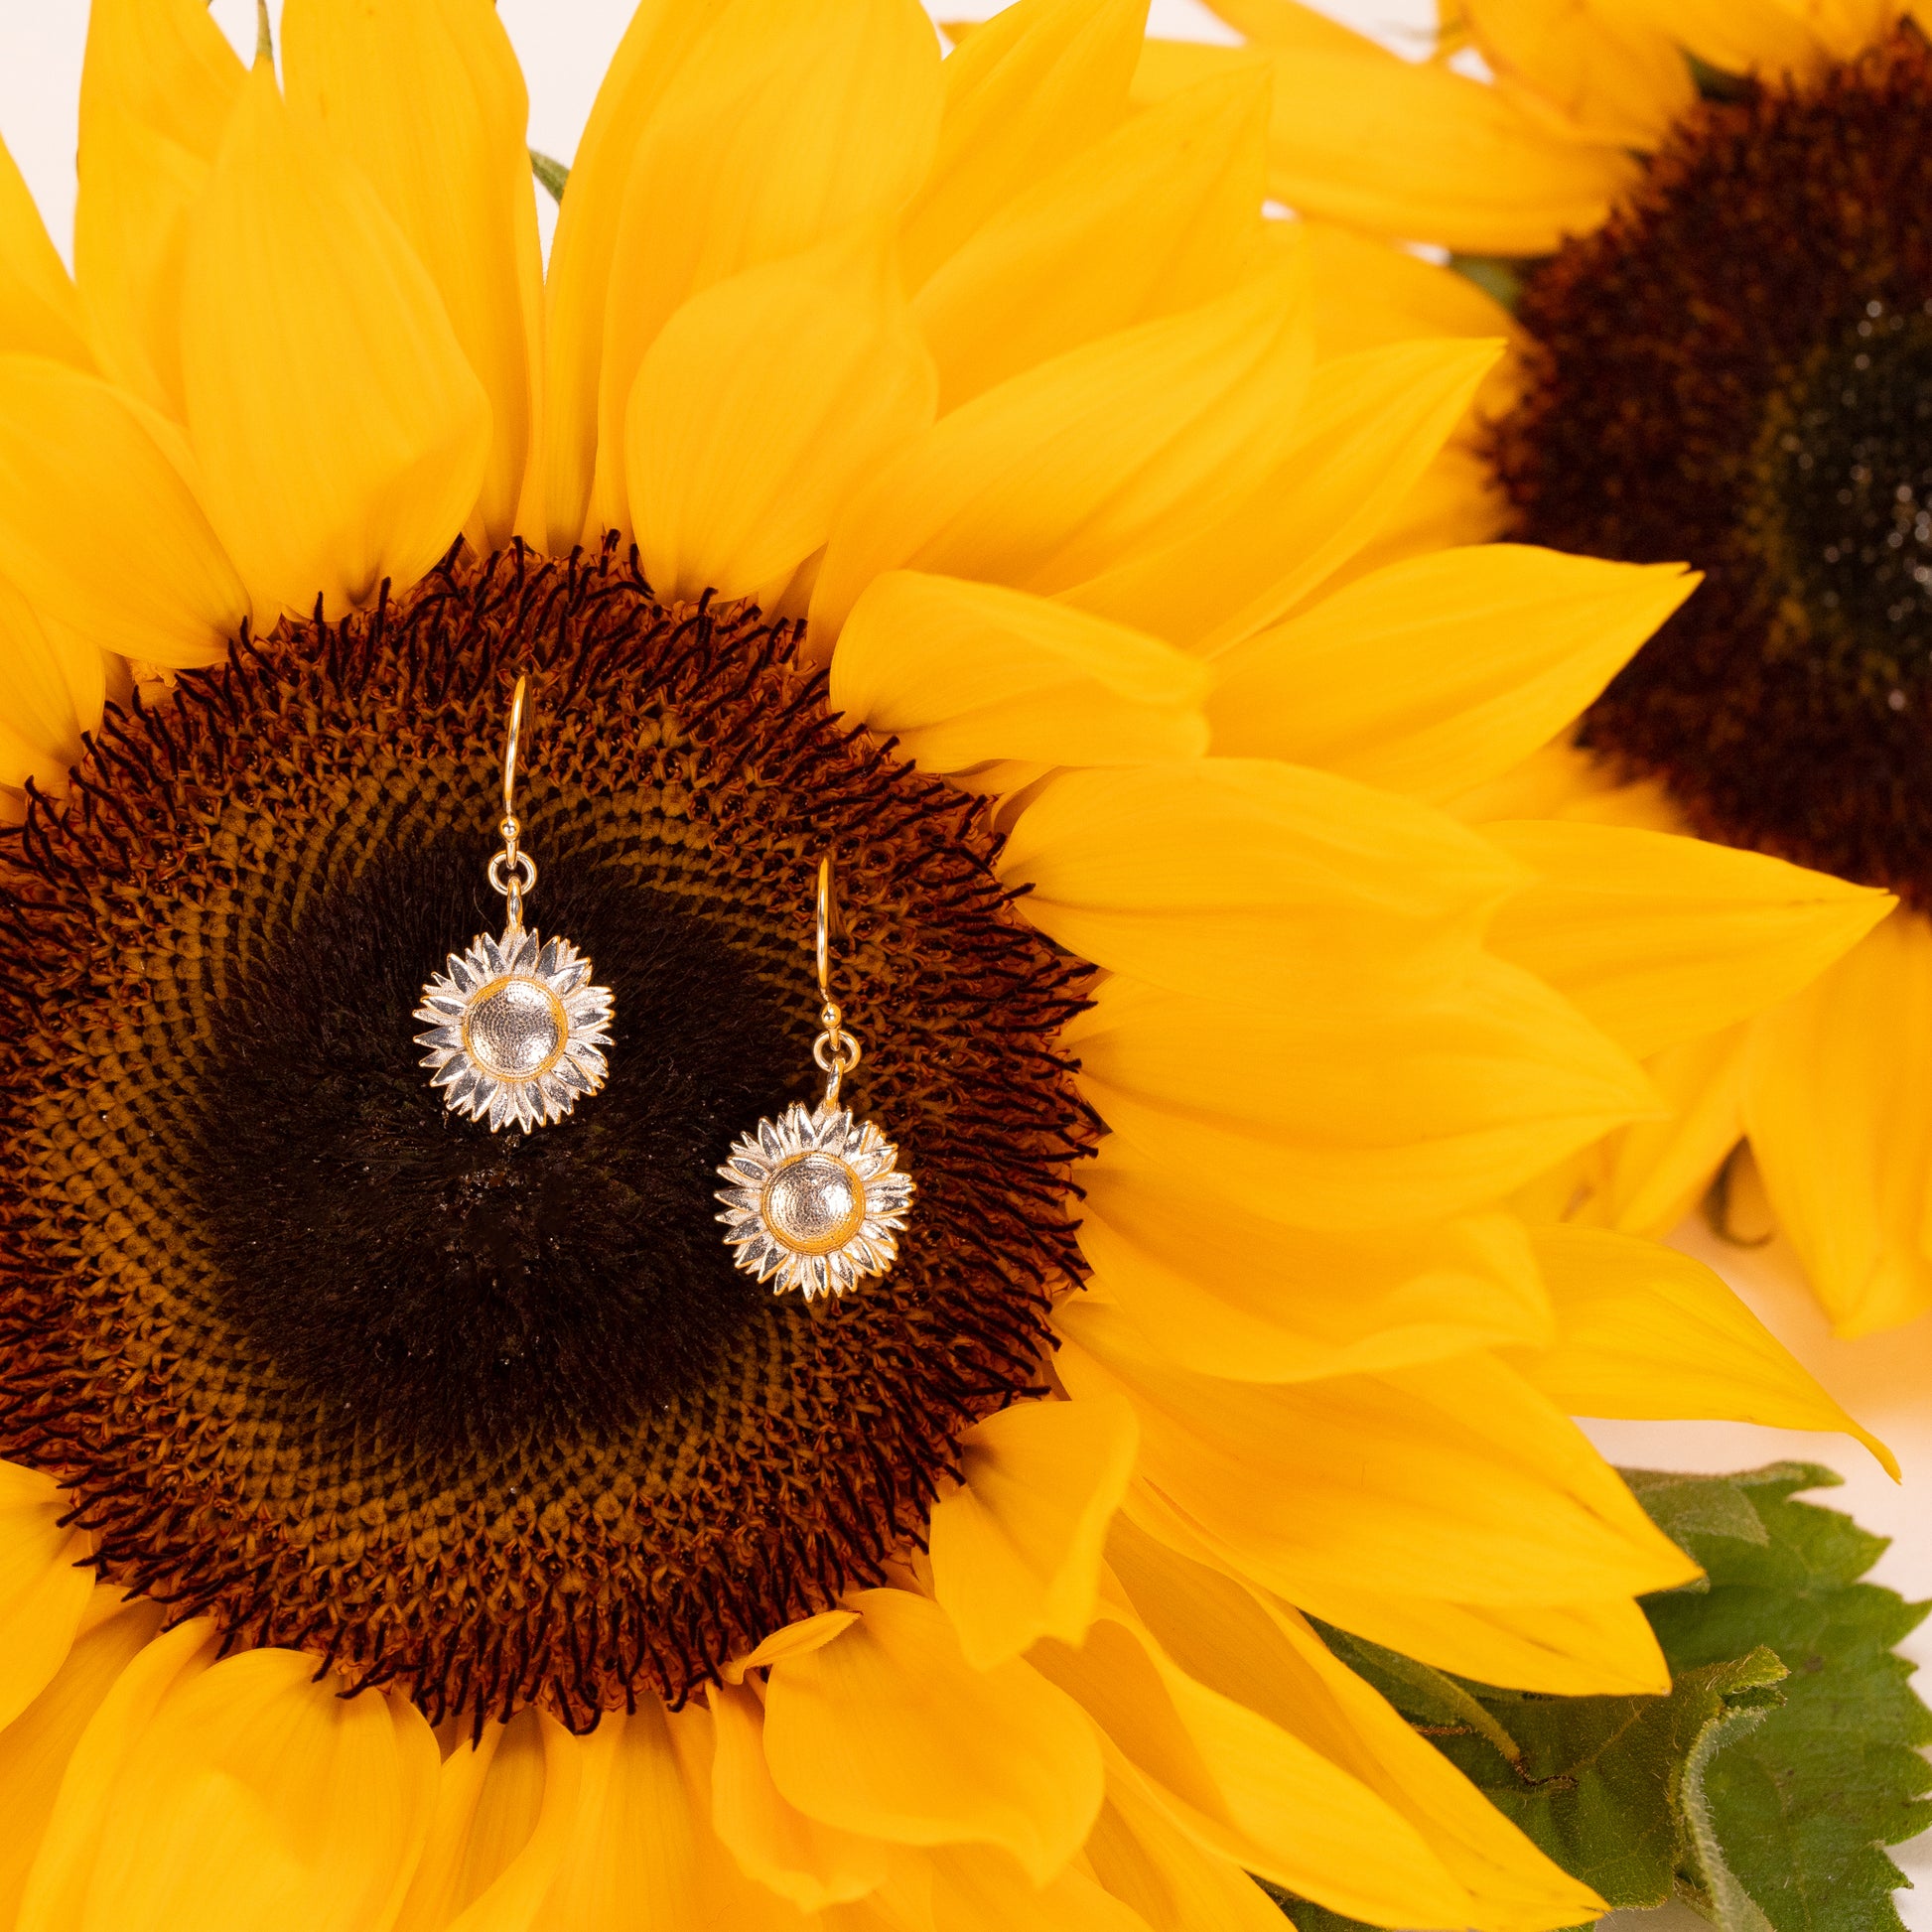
{"x": 510, "y": 747}
{"x": 835, "y": 1052}
{"x": 824, "y": 926}
{"x": 513, "y": 872}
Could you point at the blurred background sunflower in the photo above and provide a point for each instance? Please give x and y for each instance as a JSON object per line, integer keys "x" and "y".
{"x": 1709, "y": 222}
{"x": 405, "y": 1524}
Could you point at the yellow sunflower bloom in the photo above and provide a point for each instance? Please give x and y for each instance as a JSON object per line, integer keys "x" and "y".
{"x": 1722, "y": 354}
{"x": 408, "y": 1526}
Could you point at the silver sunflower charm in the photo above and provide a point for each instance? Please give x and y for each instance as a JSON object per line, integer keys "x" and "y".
{"x": 815, "y": 1201}
{"x": 515, "y": 1029}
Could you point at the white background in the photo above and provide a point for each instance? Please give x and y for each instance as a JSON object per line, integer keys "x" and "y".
{"x": 1887, "y": 1381}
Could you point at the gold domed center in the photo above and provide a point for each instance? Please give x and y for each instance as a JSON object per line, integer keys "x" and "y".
{"x": 515, "y": 1027}
{"x": 814, "y": 1204}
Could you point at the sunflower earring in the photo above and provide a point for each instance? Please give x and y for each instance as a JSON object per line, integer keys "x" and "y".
{"x": 815, "y": 1200}
{"x": 515, "y": 1025}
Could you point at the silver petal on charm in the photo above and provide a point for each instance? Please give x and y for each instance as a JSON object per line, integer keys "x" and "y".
{"x": 815, "y": 1201}
{"x": 514, "y": 1030}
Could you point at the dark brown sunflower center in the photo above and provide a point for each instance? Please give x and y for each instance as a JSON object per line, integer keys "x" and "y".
{"x": 461, "y": 1286}
{"x": 1737, "y": 370}
{"x": 493, "y": 1415}
{"x": 1843, "y": 512}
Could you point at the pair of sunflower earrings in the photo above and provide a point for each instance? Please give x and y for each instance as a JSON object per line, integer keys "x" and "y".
{"x": 515, "y": 1034}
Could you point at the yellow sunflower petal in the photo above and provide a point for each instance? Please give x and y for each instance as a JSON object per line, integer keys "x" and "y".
{"x": 1288, "y": 25}
{"x": 1343, "y": 1120}
{"x": 1608, "y": 74}
{"x": 643, "y": 70}
{"x": 506, "y": 1807}
{"x": 1646, "y": 1332}
{"x": 53, "y": 686}
{"x": 1647, "y": 1177}
{"x": 1151, "y": 1865}
{"x": 1157, "y": 217}
{"x": 1246, "y": 880}
{"x": 78, "y": 457}
{"x": 1055, "y": 474}
{"x": 313, "y": 1807}
{"x": 1563, "y": 780}
{"x": 68, "y": 1864}
{"x": 964, "y": 673}
{"x": 1271, "y": 1660}
{"x": 427, "y": 97}
{"x": 1016, "y": 1546}
{"x": 812, "y": 1864}
{"x": 157, "y": 89}
{"x": 1772, "y": 38}
{"x": 1371, "y": 426}
{"x": 340, "y": 434}
{"x": 43, "y": 1592}
{"x": 903, "y": 1901}
{"x": 727, "y": 1895}
{"x": 1467, "y": 1486}
{"x": 788, "y": 123}
{"x": 808, "y": 1633}
{"x": 40, "y": 311}
{"x": 1034, "y": 86}
{"x": 163, "y": 62}
{"x": 638, "y": 1842}
{"x": 1225, "y": 1292}
{"x": 1434, "y": 674}
{"x": 1412, "y": 149}
{"x": 1846, "y": 27}
{"x": 1245, "y": 1788}
{"x": 762, "y": 404}
{"x": 1599, "y": 1647}
{"x": 1369, "y": 294}
{"x": 889, "y": 1731}
{"x": 1456, "y": 502}
{"x": 36, "y": 1747}
{"x": 974, "y": 1886}
{"x": 1661, "y": 940}
{"x": 1834, "y": 1102}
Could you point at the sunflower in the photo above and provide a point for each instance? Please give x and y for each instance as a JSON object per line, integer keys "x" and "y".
{"x": 406, "y": 1523}
{"x": 1709, "y": 222}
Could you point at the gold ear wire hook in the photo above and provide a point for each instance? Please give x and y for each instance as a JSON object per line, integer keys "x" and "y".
{"x": 510, "y": 749}
{"x": 513, "y": 872}
{"x": 835, "y": 1050}
{"x": 824, "y": 926}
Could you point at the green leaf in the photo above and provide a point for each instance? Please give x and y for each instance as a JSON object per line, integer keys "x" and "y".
{"x": 1434, "y": 1703}
{"x": 1597, "y": 1784}
{"x": 1718, "y": 83}
{"x": 1709, "y": 1878}
{"x": 1763, "y": 1788}
{"x": 1801, "y": 1807}
{"x": 553, "y": 175}
{"x": 1497, "y": 276}
{"x": 1686, "y": 1506}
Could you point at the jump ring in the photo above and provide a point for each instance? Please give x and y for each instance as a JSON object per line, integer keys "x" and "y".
{"x": 527, "y": 867}
{"x": 822, "y": 1052}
